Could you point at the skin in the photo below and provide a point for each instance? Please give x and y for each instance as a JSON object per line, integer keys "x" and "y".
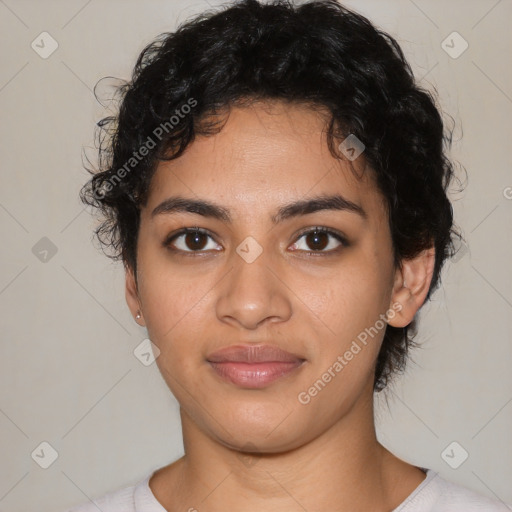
{"x": 261, "y": 449}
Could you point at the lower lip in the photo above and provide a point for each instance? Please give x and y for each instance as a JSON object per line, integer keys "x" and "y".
{"x": 254, "y": 375}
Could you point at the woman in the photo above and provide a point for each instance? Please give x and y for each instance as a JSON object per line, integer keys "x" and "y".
{"x": 275, "y": 185}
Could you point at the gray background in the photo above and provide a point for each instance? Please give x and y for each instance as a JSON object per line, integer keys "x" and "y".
{"x": 68, "y": 374}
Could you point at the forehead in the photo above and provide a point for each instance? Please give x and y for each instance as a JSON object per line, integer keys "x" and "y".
{"x": 265, "y": 155}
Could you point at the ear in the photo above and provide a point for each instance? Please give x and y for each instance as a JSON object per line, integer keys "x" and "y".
{"x": 132, "y": 295}
{"x": 412, "y": 282}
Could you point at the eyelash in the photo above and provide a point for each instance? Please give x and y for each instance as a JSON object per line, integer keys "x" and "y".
{"x": 317, "y": 229}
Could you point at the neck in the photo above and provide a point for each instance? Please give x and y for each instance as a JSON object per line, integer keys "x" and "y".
{"x": 344, "y": 469}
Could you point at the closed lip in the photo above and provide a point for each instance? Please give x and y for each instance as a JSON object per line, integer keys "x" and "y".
{"x": 253, "y": 354}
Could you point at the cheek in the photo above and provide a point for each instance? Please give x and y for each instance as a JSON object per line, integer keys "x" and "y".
{"x": 345, "y": 310}
{"x": 170, "y": 291}
{"x": 345, "y": 302}
{"x": 176, "y": 317}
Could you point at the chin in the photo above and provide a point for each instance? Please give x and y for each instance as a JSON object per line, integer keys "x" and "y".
{"x": 274, "y": 431}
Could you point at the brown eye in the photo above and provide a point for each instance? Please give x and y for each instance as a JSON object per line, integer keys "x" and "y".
{"x": 190, "y": 240}
{"x": 320, "y": 239}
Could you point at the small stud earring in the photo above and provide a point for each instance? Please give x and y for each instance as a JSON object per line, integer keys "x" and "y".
{"x": 137, "y": 316}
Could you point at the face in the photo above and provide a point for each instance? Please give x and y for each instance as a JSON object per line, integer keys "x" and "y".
{"x": 257, "y": 273}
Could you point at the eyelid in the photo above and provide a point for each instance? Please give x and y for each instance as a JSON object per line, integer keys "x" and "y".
{"x": 339, "y": 236}
{"x": 185, "y": 231}
{"x": 323, "y": 229}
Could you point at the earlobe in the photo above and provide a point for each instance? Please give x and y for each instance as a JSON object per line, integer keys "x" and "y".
{"x": 132, "y": 295}
{"x": 412, "y": 282}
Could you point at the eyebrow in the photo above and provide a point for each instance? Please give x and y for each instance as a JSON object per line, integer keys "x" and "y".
{"x": 302, "y": 207}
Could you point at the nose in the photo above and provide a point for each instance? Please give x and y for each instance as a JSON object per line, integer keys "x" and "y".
{"x": 253, "y": 293}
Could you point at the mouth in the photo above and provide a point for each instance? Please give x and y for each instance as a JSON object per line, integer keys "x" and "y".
{"x": 253, "y": 366}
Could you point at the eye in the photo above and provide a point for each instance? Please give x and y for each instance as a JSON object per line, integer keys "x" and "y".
{"x": 318, "y": 239}
{"x": 190, "y": 240}
{"x": 195, "y": 240}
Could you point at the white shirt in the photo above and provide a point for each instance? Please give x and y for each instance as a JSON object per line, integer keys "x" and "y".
{"x": 434, "y": 494}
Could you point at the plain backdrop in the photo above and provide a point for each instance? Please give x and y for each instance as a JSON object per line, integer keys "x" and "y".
{"x": 68, "y": 373}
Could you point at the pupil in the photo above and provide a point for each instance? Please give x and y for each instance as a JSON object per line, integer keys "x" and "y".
{"x": 315, "y": 236}
{"x": 193, "y": 240}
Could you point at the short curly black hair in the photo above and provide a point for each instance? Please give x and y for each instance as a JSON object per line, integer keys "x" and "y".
{"x": 319, "y": 54}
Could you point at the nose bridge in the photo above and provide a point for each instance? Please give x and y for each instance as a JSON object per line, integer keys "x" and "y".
{"x": 252, "y": 291}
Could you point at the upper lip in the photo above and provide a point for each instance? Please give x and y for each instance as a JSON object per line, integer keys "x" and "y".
{"x": 253, "y": 354}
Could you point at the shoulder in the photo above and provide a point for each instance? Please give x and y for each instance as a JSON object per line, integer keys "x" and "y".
{"x": 455, "y": 498}
{"x": 120, "y": 500}
{"x": 436, "y": 494}
{"x": 137, "y": 497}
